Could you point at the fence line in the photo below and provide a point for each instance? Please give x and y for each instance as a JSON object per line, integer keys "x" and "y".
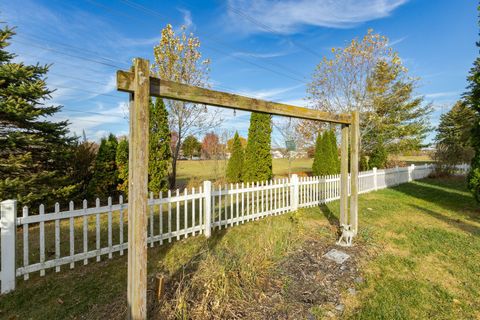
{"x": 49, "y": 239}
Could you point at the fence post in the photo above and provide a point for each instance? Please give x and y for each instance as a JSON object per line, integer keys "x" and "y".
{"x": 8, "y": 210}
{"x": 207, "y": 191}
{"x": 294, "y": 192}
{"x": 410, "y": 172}
{"x": 375, "y": 183}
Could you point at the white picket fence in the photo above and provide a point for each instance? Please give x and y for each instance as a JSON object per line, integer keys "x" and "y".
{"x": 52, "y": 240}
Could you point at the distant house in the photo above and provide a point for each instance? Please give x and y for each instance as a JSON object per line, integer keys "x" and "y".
{"x": 276, "y": 154}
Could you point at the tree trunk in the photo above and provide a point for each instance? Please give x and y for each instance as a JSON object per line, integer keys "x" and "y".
{"x": 173, "y": 176}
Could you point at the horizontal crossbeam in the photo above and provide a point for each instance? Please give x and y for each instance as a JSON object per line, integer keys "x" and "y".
{"x": 178, "y": 91}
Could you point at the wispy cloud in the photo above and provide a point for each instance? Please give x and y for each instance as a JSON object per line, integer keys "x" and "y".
{"x": 445, "y": 94}
{"x": 261, "y": 55}
{"x": 290, "y": 16}
{"x": 269, "y": 94}
{"x": 397, "y": 41}
{"x": 187, "y": 19}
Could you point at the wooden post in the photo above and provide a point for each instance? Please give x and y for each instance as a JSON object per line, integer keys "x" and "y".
{"x": 344, "y": 176}
{"x": 138, "y": 185}
{"x": 355, "y": 135}
{"x": 8, "y": 236}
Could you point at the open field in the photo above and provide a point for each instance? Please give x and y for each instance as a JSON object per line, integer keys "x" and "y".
{"x": 215, "y": 169}
{"x": 417, "y": 257}
{"x": 422, "y": 159}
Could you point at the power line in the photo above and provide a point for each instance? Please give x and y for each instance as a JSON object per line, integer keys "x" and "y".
{"x": 83, "y": 67}
{"x": 69, "y": 46}
{"x": 92, "y": 112}
{"x": 154, "y": 13}
{"x": 269, "y": 62}
{"x": 68, "y": 54}
{"x": 85, "y": 90}
{"x": 76, "y": 78}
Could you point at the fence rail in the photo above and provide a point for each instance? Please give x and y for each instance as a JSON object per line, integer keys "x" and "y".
{"x": 50, "y": 240}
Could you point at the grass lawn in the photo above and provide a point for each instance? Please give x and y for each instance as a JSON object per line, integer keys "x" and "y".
{"x": 417, "y": 257}
{"x": 417, "y": 160}
{"x": 215, "y": 169}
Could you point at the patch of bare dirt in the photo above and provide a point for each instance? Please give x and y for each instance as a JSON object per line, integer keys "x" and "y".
{"x": 303, "y": 285}
{"x": 307, "y": 285}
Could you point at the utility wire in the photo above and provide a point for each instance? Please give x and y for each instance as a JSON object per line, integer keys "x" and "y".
{"x": 92, "y": 112}
{"x": 82, "y": 67}
{"x": 68, "y": 54}
{"x": 69, "y": 46}
{"x": 154, "y": 13}
{"x": 282, "y": 66}
{"x": 84, "y": 90}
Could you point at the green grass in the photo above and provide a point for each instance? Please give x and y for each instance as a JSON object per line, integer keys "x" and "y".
{"x": 215, "y": 169}
{"x": 428, "y": 239}
{"x": 423, "y": 240}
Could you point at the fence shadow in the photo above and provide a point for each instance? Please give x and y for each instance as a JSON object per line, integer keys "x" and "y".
{"x": 446, "y": 196}
{"x": 456, "y": 223}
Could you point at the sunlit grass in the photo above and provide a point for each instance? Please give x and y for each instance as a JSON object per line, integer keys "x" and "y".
{"x": 423, "y": 238}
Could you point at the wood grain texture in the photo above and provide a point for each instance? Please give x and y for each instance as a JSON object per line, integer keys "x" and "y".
{"x": 183, "y": 92}
{"x": 138, "y": 185}
{"x": 354, "y": 150}
{"x": 344, "y": 176}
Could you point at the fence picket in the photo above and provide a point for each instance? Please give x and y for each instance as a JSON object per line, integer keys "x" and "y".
{"x": 237, "y": 215}
{"x": 120, "y": 222}
{"x": 57, "y": 237}
{"x": 193, "y": 213}
{"x": 160, "y": 217}
{"x": 178, "y": 214}
{"x": 97, "y": 229}
{"x": 25, "y": 242}
{"x": 109, "y": 217}
{"x": 72, "y": 236}
{"x": 169, "y": 206}
{"x": 185, "y": 213}
{"x": 85, "y": 231}
{"x": 42, "y": 239}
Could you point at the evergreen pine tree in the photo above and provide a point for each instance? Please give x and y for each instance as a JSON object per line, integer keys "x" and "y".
{"x": 378, "y": 157}
{"x": 105, "y": 176}
{"x": 121, "y": 159}
{"x": 325, "y": 159}
{"x": 319, "y": 159}
{"x": 334, "y": 165}
{"x": 235, "y": 163}
{"x": 258, "y": 159}
{"x": 472, "y": 97}
{"x": 159, "y": 147}
{"x": 34, "y": 151}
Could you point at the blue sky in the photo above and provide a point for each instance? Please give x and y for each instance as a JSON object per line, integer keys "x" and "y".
{"x": 263, "y": 48}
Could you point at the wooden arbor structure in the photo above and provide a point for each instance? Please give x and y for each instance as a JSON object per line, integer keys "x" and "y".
{"x": 141, "y": 87}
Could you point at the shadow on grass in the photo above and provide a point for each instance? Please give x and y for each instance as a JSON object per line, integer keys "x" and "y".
{"x": 457, "y": 223}
{"x": 331, "y": 217}
{"x": 448, "y": 196}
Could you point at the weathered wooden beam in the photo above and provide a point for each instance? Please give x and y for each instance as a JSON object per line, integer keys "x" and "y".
{"x": 344, "y": 175}
{"x": 177, "y": 91}
{"x": 354, "y": 151}
{"x": 137, "y": 193}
